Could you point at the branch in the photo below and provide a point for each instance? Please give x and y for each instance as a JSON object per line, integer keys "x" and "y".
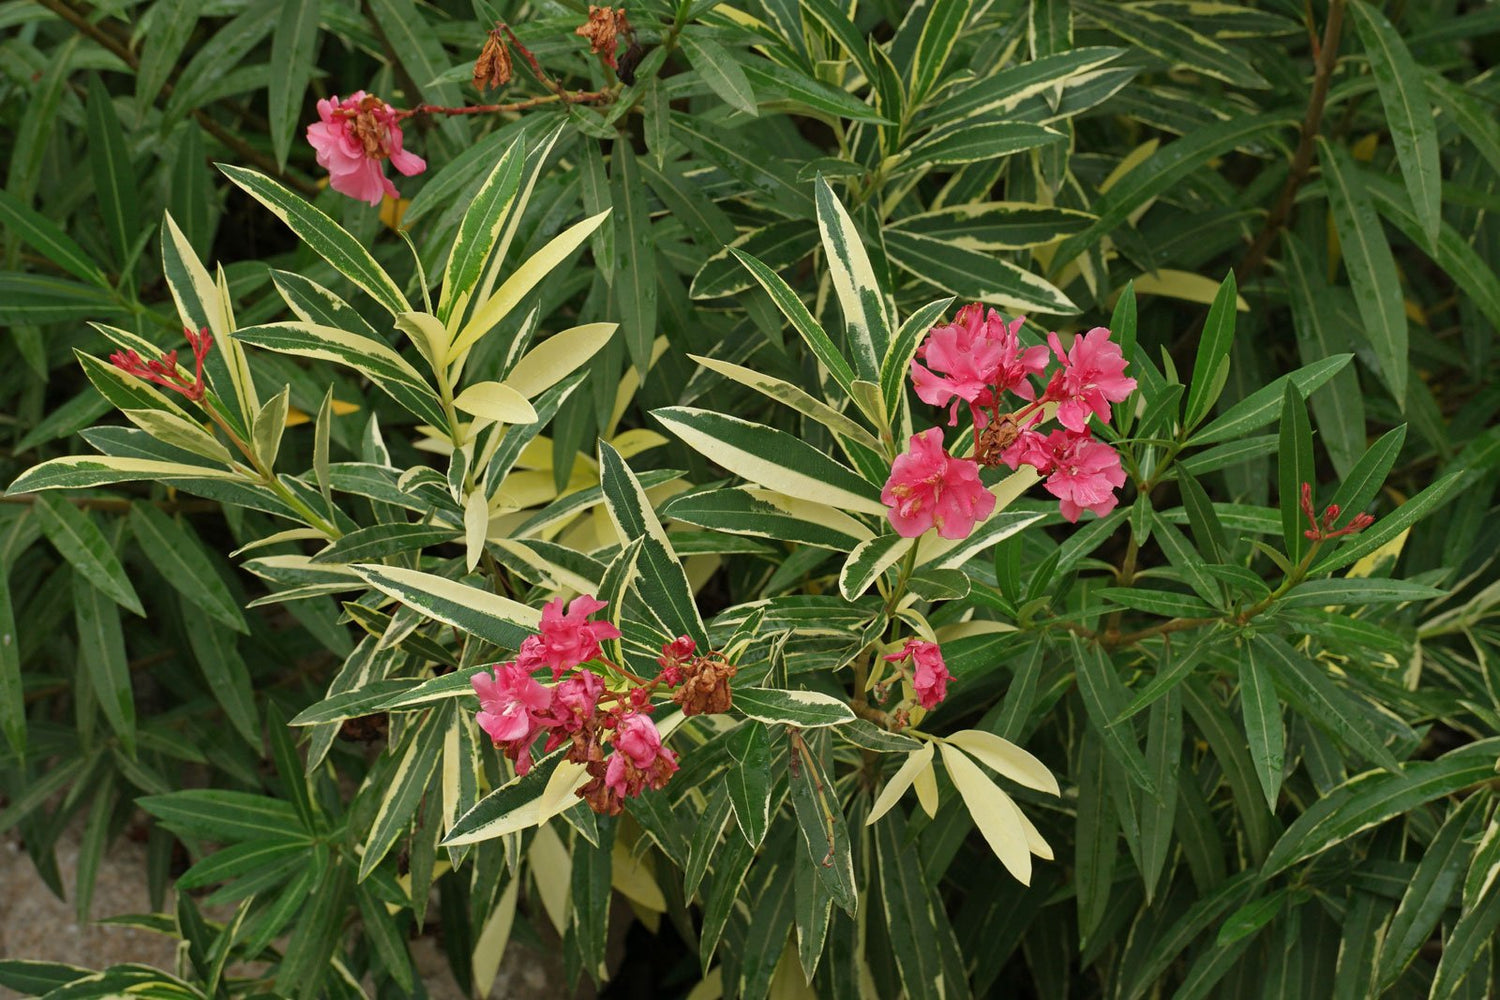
{"x": 1326, "y": 59}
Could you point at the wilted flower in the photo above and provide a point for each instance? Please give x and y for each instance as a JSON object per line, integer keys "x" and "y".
{"x": 492, "y": 68}
{"x": 930, "y": 674}
{"x": 930, "y": 488}
{"x": 353, "y": 138}
{"x": 705, "y": 686}
{"x": 603, "y": 30}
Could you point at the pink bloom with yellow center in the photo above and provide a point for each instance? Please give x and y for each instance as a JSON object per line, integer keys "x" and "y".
{"x": 1084, "y": 474}
{"x": 930, "y": 488}
{"x": 511, "y": 706}
{"x": 930, "y": 675}
{"x": 1092, "y": 376}
{"x": 353, "y": 138}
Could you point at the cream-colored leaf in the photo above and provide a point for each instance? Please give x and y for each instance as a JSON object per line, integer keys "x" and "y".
{"x": 793, "y": 396}
{"x": 427, "y": 332}
{"x": 496, "y": 401}
{"x": 1183, "y": 285}
{"x": 992, "y": 811}
{"x": 552, "y": 867}
{"x": 1004, "y": 757}
{"x": 538, "y": 266}
{"x": 551, "y": 361}
{"x": 636, "y": 440}
{"x": 634, "y": 879}
{"x": 917, "y": 762}
{"x": 476, "y": 522}
{"x": 927, "y": 791}
{"x": 567, "y": 778}
{"x": 490, "y": 948}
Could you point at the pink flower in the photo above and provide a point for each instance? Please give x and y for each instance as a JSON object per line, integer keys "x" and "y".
{"x": 981, "y": 354}
{"x": 567, "y": 640}
{"x": 1084, "y": 473}
{"x": 352, "y": 138}
{"x": 930, "y": 677}
{"x": 1092, "y": 376}
{"x": 639, "y": 759}
{"x": 511, "y": 707}
{"x": 930, "y": 488}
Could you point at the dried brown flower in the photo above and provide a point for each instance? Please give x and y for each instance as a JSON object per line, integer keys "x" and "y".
{"x": 705, "y": 686}
{"x": 492, "y": 68}
{"x": 603, "y": 30}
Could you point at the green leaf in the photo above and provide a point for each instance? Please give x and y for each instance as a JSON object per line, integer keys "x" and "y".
{"x": 1157, "y": 602}
{"x": 44, "y": 236}
{"x": 114, "y": 174}
{"x": 975, "y": 274}
{"x": 380, "y": 540}
{"x": 970, "y": 143}
{"x": 1369, "y": 799}
{"x": 403, "y": 789}
{"x": 1001, "y": 92}
{"x": 39, "y": 298}
{"x": 1322, "y": 702}
{"x": 482, "y": 614}
{"x": 368, "y": 698}
{"x": 745, "y": 510}
{"x": 101, "y": 647}
{"x": 1174, "y": 41}
{"x": 1211, "y": 366}
{"x": 1392, "y": 524}
{"x": 1371, "y": 267}
{"x": 749, "y": 779}
{"x": 996, "y": 225}
{"x": 896, "y": 365}
{"x": 75, "y": 472}
{"x": 800, "y": 709}
{"x": 1461, "y": 962}
{"x": 480, "y": 228}
{"x": 226, "y": 816}
{"x": 772, "y": 458}
{"x": 1164, "y": 169}
{"x": 323, "y": 236}
{"x": 1339, "y": 408}
{"x": 634, "y": 283}
{"x": 33, "y": 978}
{"x": 869, "y": 561}
{"x": 1294, "y": 467}
{"x": 772, "y": 82}
{"x": 909, "y": 912}
{"x": 1264, "y": 404}
{"x": 294, "y": 45}
{"x": 820, "y": 817}
{"x": 78, "y": 539}
{"x": 793, "y": 309}
{"x": 1398, "y": 79}
{"x": 1430, "y": 892}
{"x": 179, "y": 555}
{"x": 371, "y": 358}
{"x": 717, "y": 68}
{"x": 228, "y": 678}
{"x": 867, "y": 317}
{"x": 1262, "y": 714}
{"x": 1358, "y": 591}
{"x": 1159, "y": 813}
{"x": 1103, "y": 700}
{"x": 941, "y": 29}
{"x": 12, "y": 699}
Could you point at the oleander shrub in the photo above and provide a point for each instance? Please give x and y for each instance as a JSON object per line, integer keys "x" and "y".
{"x": 932, "y": 500}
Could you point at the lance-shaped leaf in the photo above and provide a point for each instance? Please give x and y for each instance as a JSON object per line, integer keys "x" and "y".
{"x": 480, "y": 228}
{"x": 772, "y": 458}
{"x": 487, "y": 616}
{"x": 323, "y": 236}
{"x": 867, "y": 317}
{"x": 801, "y": 709}
{"x": 745, "y": 510}
{"x": 820, "y": 817}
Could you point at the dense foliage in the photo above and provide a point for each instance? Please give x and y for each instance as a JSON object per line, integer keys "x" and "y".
{"x": 641, "y": 329}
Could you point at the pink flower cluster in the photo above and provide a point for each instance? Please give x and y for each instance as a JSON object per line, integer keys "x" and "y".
{"x": 515, "y": 708}
{"x": 977, "y": 360}
{"x": 353, "y": 138}
{"x": 930, "y": 674}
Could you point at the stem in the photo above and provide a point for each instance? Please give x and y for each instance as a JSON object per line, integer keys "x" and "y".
{"x": 1326, "y": 60}
{"x": 566, "y": 97}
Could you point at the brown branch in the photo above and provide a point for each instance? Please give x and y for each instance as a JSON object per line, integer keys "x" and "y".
{"x": 1326, "y": 59}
